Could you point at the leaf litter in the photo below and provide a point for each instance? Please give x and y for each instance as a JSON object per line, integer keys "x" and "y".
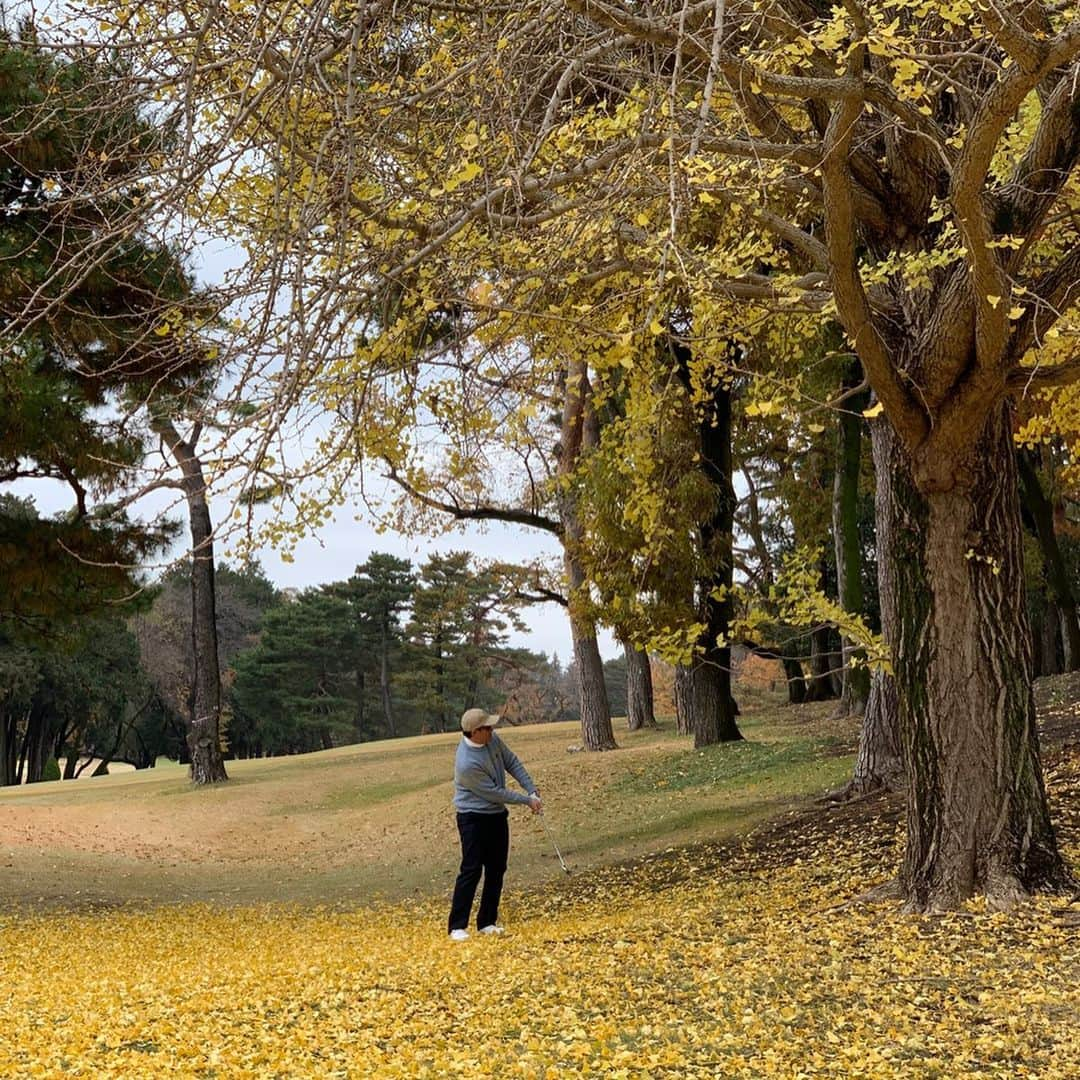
{"x": 750, "y": 958}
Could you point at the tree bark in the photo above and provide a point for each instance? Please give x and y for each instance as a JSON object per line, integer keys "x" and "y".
{"x": 684, "y": 706}
{"x": 1068, "y": 656}
{"x": 713, "y": 712}
{"x": 639, "y": 689}
{"x": 440, "y": 687}
{"x": 596, "y": 730}
{"x": 879, "y": 764}
{"x": 820, "y": 684}
{"x": 855, "y": 678}
{"x": 1051, "y": 660}
{"x": 578, "y": 433}
{"x": 361, "y": 689}
{"x": 796, "y": 682}
{"x": 977, "y": 813}
{"x": 1056, "y": 575}
{"x": 384, "y": 679}
{"x": 32, "y": 761}
{"x": 8, "y": 730}
{"x": 204, "y": 700}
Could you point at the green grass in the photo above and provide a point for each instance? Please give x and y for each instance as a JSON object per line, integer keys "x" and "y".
{"x": 736, "y": 765}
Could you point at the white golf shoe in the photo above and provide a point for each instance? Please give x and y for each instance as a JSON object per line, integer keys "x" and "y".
{"x": 459, "y": 935}
{"x": 492, "y": 929}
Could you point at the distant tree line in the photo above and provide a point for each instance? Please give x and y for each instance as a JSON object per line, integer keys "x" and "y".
{"x": 391, "y": 651}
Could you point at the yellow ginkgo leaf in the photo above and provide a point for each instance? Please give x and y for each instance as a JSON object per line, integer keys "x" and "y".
{"x": 482, "y": 293}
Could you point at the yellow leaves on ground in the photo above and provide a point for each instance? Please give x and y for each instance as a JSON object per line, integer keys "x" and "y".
{"x": 671, "y": 968}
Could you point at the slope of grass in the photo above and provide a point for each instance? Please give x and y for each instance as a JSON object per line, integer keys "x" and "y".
{"x": 375, "y": 821}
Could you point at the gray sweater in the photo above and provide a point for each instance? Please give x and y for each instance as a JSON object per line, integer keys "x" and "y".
{"x": 480, "y": 777}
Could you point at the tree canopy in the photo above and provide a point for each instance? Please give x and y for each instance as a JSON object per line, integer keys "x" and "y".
{"x": 658, "y": 206}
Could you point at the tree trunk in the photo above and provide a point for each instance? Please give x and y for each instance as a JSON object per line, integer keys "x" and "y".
{"x": 1050, "y": 644}
{"x": 1038, "y": 667}
{"x": 204, "y": 737}
{"x": 59, "y": 741}
{"x": 713, "y": 717}
{"x": 35, "y": 759}
{"x": 639, "y": 689}
{"x": 836, "y": 662}
{"x": 977, "y": 813}
{"x": 440, "y": 688}
{"x": 146, "y": 758}
{"x": 183, "y": 750}
{"x": 7, "y": 748}
{"x": 713, "y": 713}
{"x": 579, "y": 432}
{"x": 796, "y": 683}
{"x": 1056, "y": 575}
{"x": 879, "y": 764}
{"x": 384, "y": 680}
{"x": 472, "y": 690}
{"x": 358, "y": 716}
{"x": 204, "y": 700}
{"x": 684, "y": 705}
{"x": 1070, "y": 660}
{"x": 820, "y": 684}
{"x": 855, "y": 680}
{"x": 596, "y": 730}
{"x": 33, "y": 755}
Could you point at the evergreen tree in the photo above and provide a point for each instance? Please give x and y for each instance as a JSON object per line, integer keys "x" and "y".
{"x": 294, "y": 690}
{"x": 386, "y": 584}
{"x": 458, "y": 629}
{"x": 82, "y": 292}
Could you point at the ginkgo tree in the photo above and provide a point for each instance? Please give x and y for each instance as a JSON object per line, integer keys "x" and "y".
{"x": 905, "y": 167}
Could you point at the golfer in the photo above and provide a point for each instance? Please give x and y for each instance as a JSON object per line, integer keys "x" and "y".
{"x": 481, "y": 798}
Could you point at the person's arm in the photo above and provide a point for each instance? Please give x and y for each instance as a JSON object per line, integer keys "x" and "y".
{"x": 516, "y": 769}
{"x": 479, "y": 782}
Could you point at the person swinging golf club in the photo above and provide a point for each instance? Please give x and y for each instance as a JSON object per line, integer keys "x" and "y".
{"x": 481, "y": 798}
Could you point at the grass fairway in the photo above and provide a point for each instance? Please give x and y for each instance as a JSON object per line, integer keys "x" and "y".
{"x": 745, "y": 958}
{"x": 370, "y": 822}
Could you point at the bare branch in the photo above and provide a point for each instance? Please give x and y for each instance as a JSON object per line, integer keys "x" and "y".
{"x": 475, "y": 513}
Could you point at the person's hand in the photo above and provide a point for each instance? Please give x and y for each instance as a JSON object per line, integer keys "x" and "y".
{"x": 535, "y": 805}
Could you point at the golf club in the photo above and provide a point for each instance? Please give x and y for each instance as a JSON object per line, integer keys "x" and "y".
{"x": 551, "y": 837}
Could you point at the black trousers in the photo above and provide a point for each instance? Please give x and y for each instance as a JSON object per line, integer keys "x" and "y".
{"x": 485, "y": 845}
